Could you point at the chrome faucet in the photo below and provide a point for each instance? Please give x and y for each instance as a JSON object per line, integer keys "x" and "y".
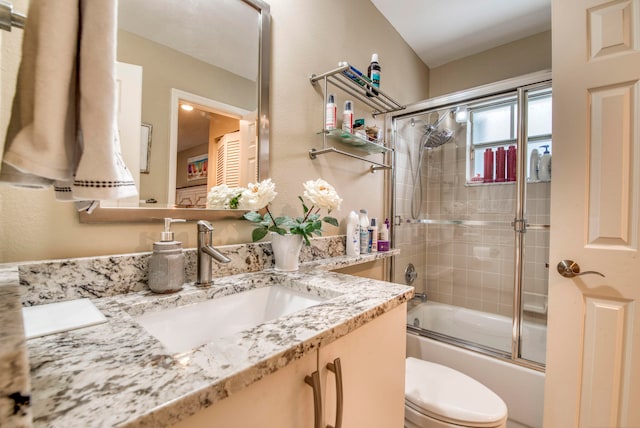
{"x": 420, "y": 296}
{"x": 206, "y": 252}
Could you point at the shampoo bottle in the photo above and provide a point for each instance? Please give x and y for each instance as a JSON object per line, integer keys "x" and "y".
{"x": 363, "y": 229}
{"x": 488, "y": 166}
{"x": 166, "y": 265}
{"x": 331, "y": 119}
{"x": 544, "y": 171}
{"x": 353, "y": 235}
{"x": 511, "y": 163}
{"x": 373, "y": 72}
{"x": 501, "y": 158}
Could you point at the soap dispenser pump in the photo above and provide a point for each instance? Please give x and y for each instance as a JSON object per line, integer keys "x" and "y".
{"x": 166, "y": 265}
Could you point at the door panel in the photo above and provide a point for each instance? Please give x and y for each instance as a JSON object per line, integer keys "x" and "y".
{"x": 612, "y": 190}
{"x": 593, "y": 347}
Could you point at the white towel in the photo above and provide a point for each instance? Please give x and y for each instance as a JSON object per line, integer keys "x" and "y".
{"x": 63, "y": 128}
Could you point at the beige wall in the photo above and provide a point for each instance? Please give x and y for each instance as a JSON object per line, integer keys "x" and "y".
{"x": 305, "y": 40}
{"x": 513, "y": 59}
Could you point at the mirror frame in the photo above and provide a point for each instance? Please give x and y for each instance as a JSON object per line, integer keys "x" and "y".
{"x": 137, "y": 214}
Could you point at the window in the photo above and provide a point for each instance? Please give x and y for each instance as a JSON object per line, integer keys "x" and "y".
{"x": 493, "y": 124}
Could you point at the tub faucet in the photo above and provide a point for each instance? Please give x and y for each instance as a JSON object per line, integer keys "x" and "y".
{"x": 206, "y": 252}
{"x": 420, "y": 296}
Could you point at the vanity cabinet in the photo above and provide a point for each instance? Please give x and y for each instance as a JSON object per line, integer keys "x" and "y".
{"x": 372, "y": 360}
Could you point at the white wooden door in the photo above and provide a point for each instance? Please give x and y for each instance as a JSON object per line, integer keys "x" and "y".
{"x": 249, "y": 152}
{"x": 593, "y": 348}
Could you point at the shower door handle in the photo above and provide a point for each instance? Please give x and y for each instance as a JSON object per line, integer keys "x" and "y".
{"x": 571, "y": 269}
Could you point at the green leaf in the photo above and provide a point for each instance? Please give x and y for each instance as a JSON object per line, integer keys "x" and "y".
{"x": 306, "y": 239}
{"x": 233, "y": 203}
{"x": 258, "y": 233}
{"x": 281, "y": 220}
{"x": 304, "y": 206}
{"x": 332, "y": 221}
{"x": 252, "y": 216}
{"x": 278, "y": 230}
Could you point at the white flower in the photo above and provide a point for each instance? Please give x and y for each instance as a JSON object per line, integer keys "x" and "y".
{"x": 257, "y": 196}
{"x": 220, "y": 196}
{"x": 322, "y": 194}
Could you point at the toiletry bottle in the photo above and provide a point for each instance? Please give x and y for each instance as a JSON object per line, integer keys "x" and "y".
{"x": 331, "y": 115}
{"x": 511, "y": 163}
{"x": 373, "y": 72}
{"x": 373, "y": 233}
{"x": 488, "y": 166}
{"x": 166, "y": 265}
{"x": 364, "y": 231}
{"x": 544, "y": 171}
{"x": 534, "y": 164}
{"x": 383, "y": 242}
{"x": 501, "y": 159}
{"x": 347, "y": 117}
{"x": 353, "y": 234}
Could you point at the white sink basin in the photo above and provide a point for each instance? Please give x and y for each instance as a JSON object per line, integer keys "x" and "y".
{"x": 186, "y": 327}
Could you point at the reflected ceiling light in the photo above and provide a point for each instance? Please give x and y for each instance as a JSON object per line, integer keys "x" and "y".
{"x": 461, "y": 114}
{"x": 186, "y": 107}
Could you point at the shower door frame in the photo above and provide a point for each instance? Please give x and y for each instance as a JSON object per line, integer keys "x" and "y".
{"x": 522, "y": 85}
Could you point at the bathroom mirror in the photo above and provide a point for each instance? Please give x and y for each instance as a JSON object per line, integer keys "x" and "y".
{"x": 199, "y": 77}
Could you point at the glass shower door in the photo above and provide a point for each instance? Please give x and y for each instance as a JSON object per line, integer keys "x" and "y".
{"x": 535, "y": 269}
{"x": 474, "y": 238}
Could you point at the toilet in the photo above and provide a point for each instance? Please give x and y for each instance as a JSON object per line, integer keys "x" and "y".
{"x": 438, "y": 396}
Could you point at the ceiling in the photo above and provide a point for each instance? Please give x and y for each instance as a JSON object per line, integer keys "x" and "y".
{"x": 440, "y": 31}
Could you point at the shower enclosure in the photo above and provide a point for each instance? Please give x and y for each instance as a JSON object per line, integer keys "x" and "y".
{"x": 471, "y": 216}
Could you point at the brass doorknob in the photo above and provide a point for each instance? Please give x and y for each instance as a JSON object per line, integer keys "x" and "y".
{"x": 570, "y": 269}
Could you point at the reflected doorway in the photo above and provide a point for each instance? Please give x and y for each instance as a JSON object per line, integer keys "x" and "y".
{"x": 211, "y": 144}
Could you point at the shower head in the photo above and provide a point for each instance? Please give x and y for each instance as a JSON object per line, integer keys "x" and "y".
{"x": 437, "y": 137}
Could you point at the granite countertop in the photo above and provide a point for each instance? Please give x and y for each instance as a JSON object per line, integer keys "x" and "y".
{"x": 117, "y": 374}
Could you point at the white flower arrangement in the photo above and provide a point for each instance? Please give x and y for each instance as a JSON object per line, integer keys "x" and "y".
{"x": 319, "y": 194}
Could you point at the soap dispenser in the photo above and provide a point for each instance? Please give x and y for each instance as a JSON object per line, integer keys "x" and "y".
{"x": 544, "y": 170}
{"x": 166, "y": 265}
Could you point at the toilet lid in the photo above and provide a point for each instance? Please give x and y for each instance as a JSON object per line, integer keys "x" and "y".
{"x": 450, "y": 396}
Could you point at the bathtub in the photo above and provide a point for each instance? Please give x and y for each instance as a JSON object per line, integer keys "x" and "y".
{"x": 521, "y": 388}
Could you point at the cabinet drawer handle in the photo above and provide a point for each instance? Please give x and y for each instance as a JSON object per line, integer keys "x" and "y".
{"x": 314, "y": 382}
{"x": 336, "y": 368}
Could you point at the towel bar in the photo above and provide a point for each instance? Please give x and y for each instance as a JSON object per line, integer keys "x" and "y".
{"x": 9, "y": 18}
